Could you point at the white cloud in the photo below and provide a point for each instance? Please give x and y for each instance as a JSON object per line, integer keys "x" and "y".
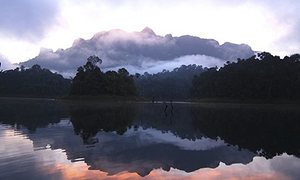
{"x": 5, "y": 64}
{"x": 151, "y": 66}
{"x": 141, "y": 51}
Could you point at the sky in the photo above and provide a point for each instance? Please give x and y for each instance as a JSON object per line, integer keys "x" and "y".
{"x": 265, "y": 25}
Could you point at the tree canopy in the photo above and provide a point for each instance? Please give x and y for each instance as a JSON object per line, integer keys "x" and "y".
{"x": 90, "y": 80}
{"x": 32, "y": 82}
{"x": 174, "y": 84}
{"x": 260, "y": 77}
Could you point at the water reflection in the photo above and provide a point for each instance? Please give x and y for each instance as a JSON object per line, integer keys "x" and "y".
{"x": 88, "y": 120}
{"x": 31, "y": 114}
{"x": 269, "y": 130}
{"x": 139, "y": 140}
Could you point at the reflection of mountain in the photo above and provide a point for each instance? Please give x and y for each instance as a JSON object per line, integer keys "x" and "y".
{"x": 270, "y": 129}
{"x": 143, "y": 149}
{"x": 131, "y": 153}
{"x": 141, "y": 137}
{"x": 140, "y": 151}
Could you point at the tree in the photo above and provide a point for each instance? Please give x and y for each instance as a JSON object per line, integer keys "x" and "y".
{"x": 33, "y": 82}
{"x": 262, "y": 77}
{"x": 168, "y": 85}
{"x": 90, "y": 80}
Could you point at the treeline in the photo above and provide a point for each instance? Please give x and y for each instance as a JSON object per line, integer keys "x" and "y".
{"x": 168, "y": 85}
{"x": 260, "y": 77}
{"x": 33, "y": 82}
{"x": 90, "y": 80}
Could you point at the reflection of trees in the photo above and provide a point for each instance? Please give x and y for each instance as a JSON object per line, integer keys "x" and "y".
{"x": 138, "y": 151}
{"x": 178, "y": 122}
{"x": 273, "y": 131}
{"x": 30, "y": 113}
{"x": 88, "y": 120}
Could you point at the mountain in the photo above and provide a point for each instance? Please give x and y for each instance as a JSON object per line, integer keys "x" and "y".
{"x": 137, "y": 50}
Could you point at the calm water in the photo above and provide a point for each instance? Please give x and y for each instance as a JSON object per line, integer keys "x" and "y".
{"x": 55, "y": 140}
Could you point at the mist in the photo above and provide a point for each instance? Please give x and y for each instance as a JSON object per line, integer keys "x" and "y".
{"x": 6, "y": 64}
{"x": 139, "y": 52}
{"x": 158, "y": 66}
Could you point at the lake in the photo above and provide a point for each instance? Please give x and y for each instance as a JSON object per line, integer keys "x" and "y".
{"x": 48, "y": 139}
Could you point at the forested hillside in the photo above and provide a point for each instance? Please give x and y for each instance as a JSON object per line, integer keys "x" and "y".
{"x": 260, "y": 77}
{"x": 168, "y": 85}
{"x": 33, "y": 82}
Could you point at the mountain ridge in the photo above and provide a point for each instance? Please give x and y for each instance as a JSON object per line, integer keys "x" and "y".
{"x": 120, "y": 48}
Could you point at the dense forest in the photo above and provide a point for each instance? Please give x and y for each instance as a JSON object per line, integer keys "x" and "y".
{"x": 168, "y": 85}
{"x": 33, "y": 82}
{"x": 90, "y": 80}
{"x": 260, "y": 77}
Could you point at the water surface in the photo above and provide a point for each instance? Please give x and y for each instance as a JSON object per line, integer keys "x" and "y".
{"x": 43, "y": 139}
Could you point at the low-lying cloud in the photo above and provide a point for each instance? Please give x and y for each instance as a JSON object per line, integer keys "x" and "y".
{"x": 157, "y": 66}
{"x": 5, "y": 63}
{"x": 140, "y": 52}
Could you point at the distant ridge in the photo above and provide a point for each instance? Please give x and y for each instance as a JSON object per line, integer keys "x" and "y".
{"x": 119, "y": 48}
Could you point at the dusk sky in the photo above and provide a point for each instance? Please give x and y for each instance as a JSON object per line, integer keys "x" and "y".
{"x": 265, "y": 25}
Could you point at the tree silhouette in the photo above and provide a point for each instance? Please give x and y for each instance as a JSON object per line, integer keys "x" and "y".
{"x": 33, "y": 82}
{"x": 260, "y": 77}
{"x": 174, "y": 84}
{"x": 90, "y": 80}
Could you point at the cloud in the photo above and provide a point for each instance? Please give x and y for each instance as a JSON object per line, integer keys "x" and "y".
{"x": 28, "y": 19}
{"x": 282, "y": 17}
{"x": 154, "y": 136}
{"x": 287, "y": 165}
{"x": 288, "y": 20}
{"x": 140, "y": 51}
{"x": 5, "y": 63}
{"x": 157, "y": 66}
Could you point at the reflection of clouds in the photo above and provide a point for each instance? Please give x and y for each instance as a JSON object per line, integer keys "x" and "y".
{"x": 18, "y": 160}
{"x": 79, "y": 170}
{"x": 13, "y": 142}
{"x": 139, "y": 152}
{"x": 153, "y": 136}
{"x": 54, "y": 164}
{"x": 288, "y": 165}
{"x": 260, "y": 168}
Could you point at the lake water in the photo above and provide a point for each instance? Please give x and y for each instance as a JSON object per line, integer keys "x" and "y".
{"x": 41, "y": 139}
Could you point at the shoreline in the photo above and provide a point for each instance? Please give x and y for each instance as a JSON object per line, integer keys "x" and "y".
{"x": 136, "y": 99}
